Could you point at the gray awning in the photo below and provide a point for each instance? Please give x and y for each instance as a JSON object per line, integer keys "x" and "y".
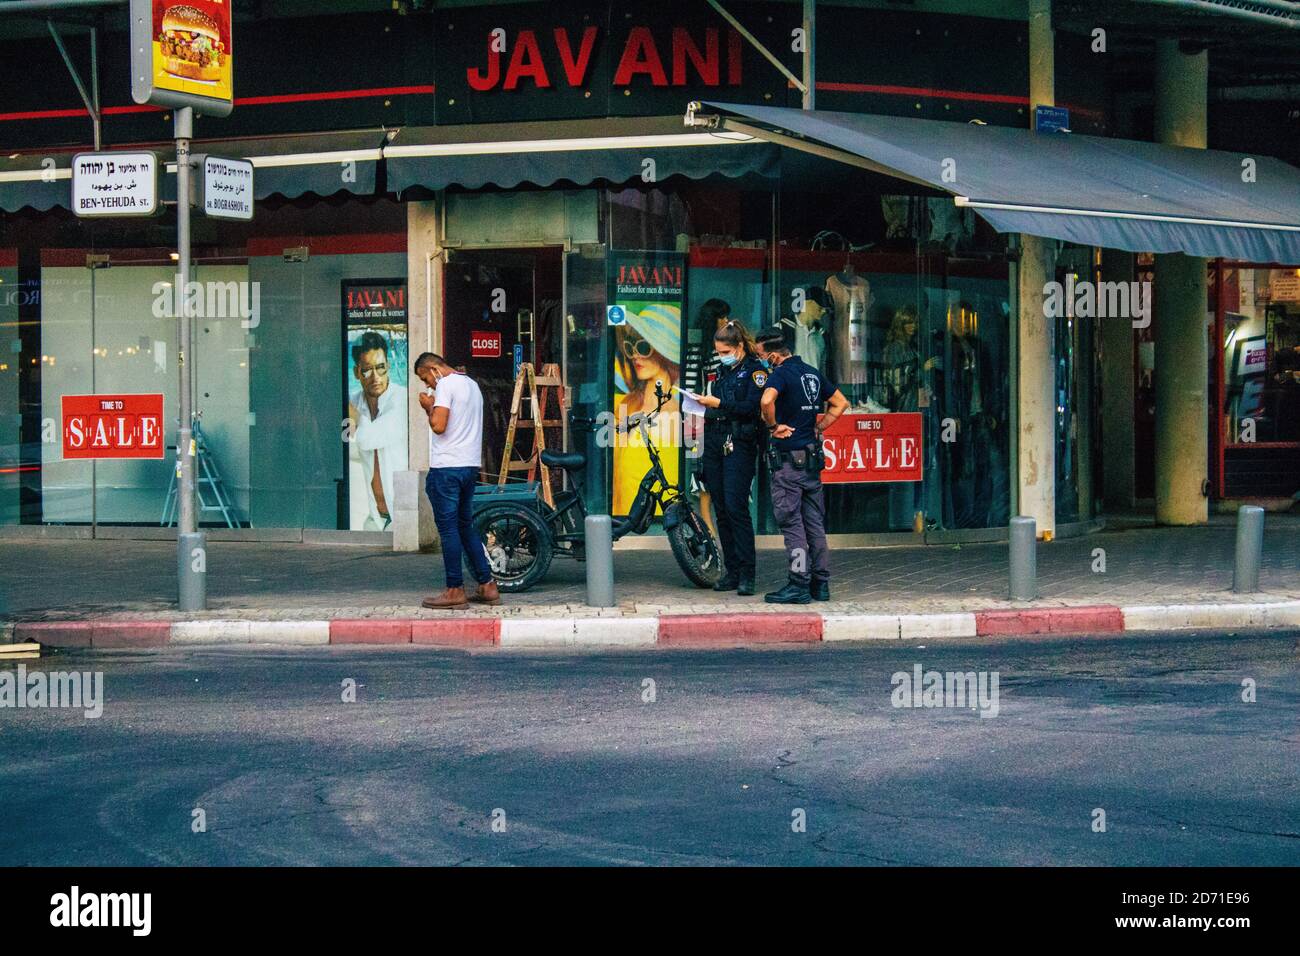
{"x": 577, "y": 151}
{"x": 1116, "y": 193}
{"x": 290, "y": 166}
{"x": 38, "y": 182}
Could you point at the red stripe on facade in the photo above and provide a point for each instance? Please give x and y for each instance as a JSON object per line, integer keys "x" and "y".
{"x": 939, "y": 94}
{"x": 817, "y": 260}
{"x": 8, "y": 258}
{"x": 272, "y": 100}
{"x": 329, "y": 245}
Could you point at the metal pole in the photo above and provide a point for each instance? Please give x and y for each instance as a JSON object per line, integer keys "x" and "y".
{"x": 1023, "y": 539}
{"x": 96, "y": 113}
{"x": 809, "y": 54}
{"x": 1250, "y": 549}
{"x": 191, "y": 550}
{"x": 599, "y": 531}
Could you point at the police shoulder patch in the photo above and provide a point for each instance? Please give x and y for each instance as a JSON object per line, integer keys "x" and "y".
{"x": 760, "y": 378}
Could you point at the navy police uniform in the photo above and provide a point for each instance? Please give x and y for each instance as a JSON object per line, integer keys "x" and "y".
{"x": 796, "y": 462}
{"x": 733, "y": 434}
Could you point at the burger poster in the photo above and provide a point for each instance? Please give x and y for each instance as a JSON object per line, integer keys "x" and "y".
{"x": 189, "y": 51}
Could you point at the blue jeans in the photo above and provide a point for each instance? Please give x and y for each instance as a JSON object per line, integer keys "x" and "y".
{"x": 451, "y": 492}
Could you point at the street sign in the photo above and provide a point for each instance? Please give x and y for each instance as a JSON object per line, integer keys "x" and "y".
{"x": 182, "y": 54}
{"x": 615, "y": 315}
{"x": 225, "y": 187}
{"x": 1051, "y": 119}
{"x": 112, "y": 426}
{"x": 115, "y": 184}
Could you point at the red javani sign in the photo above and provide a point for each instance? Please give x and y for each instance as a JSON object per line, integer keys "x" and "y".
{"x": 861, "y": 448}
{"x": 112, "y": 426}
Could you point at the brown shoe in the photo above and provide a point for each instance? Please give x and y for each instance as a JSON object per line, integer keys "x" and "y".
{"x": 487, "y": 593}
{"x": 452, "y": 599}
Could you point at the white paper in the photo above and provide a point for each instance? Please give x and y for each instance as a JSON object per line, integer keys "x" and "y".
{"x": 690, "y": 402}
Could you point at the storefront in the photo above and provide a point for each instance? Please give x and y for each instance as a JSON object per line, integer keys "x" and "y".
{"x": 515, "y": 200}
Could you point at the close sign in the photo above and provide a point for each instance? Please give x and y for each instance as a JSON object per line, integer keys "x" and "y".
{"x": 226, "y": 187}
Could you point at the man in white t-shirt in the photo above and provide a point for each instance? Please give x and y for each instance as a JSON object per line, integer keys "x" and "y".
{"x": 455, "y": 411}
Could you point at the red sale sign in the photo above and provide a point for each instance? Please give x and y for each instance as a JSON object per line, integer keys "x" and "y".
{"x": 485, "y": 344}
{"x": 861, "y": 448}
{"x": 113, "y": 426}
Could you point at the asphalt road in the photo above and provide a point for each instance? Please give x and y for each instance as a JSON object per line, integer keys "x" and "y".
{"x": 581, "y": 770}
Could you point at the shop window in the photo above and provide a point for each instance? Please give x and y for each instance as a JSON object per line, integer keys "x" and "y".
{"x": 1257, "y": 321}
{"x": 269, "y": 361}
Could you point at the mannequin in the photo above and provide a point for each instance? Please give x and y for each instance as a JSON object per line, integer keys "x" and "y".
{"x": 810, "y": 330}
{"x": 851, "y": 297}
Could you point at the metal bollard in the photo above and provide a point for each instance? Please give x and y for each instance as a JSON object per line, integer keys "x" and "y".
{"x": 1250, "y": 549}
{"x": 1022, "y": 536}
{"x": 599, "y": 532}
{"x": 191, "y": 571}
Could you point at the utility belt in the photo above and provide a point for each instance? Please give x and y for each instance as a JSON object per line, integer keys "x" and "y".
{"x": 802, "y": 459}
{"x": 732, "y": 430}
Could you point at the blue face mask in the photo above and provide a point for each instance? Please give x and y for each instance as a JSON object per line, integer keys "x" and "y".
{"x": 728, "y": 360}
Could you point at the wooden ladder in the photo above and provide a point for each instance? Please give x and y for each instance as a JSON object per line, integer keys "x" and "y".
{"x": 540, "y": 388}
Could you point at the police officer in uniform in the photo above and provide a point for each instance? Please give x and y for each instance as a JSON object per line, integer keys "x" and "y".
{"x": 732, "y": 438}
{"x": 793, "y": 398}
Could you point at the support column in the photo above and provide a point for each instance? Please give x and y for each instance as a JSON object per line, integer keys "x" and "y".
{"x": 1182, "y": 349}
{"x": 413, "y": 527}
{"x": 1118, "y": 411}
{"x": 1036, "y": 369}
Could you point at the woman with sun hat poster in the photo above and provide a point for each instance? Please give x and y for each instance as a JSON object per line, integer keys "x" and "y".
{"x": 647, "y": 350}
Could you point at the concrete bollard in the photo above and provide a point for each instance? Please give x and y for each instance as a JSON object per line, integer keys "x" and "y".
{"x": 1022, "y": 535}
{"x": 599, "y": 533}
{"x": 1250, "y": 549}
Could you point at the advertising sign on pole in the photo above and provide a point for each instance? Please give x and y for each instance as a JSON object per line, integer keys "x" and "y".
{"x": 112, "y": 426}
{"x": 182, "y": 54}
{"x": 225, "y": 187}
{"x": 649, "y": 290}
{"x": 376, "y": 365}
{"x": 871, "y": 448}
{"x": 115, "y": 184}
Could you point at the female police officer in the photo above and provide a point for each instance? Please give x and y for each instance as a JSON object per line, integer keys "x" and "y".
{"x": 732, "y": 435}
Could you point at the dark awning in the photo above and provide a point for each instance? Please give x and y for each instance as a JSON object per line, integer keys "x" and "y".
{"x": 577, "y": 151}
{"x": 1117, "y": 193}
{"x": 318, "y": 163}
{"x": 289, "y": 166}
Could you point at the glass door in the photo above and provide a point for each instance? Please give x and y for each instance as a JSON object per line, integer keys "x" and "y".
{"x": 503, "y": 307}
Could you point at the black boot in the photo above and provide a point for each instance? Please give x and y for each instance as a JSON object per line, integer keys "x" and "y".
{"x": 728, "y": 582}
{"x": 746, "y": 586}
{"x": 792, "y": 593}
{"x": 821, "y": 590}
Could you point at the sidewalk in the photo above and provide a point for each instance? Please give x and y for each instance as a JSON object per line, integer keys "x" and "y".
{"x": 1153, "y": 577}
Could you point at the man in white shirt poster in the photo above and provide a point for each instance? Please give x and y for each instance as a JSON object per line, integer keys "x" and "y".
{"x": 455, "y": 413}
{"x": 377, "y": 410}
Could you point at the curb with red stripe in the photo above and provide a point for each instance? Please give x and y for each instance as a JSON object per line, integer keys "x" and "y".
{"x": 669, "y": 630}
